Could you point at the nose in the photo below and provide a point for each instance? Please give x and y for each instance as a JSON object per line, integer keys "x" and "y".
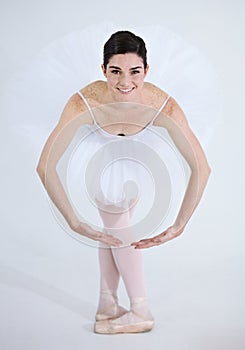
{"x": 125, "y": 80}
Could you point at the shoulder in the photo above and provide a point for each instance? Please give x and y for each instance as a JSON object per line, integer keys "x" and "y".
{"x": 94, "y": 92}
{"x": 155, "y": 96}
{"x": 73, "y": 107}
{"x": 172, "y": 109}
{"x": 174, "y": 120}
{"x": 75, "y": 104}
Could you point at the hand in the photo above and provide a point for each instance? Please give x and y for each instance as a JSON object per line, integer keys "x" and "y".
{"x": 163, "y": 237}
{"x": 87, "y": 231}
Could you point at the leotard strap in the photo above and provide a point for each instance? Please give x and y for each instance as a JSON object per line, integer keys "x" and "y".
{"x": 92, "y": 114}
{"x": 87, "y": 105}
{"x": 161, "y": 108}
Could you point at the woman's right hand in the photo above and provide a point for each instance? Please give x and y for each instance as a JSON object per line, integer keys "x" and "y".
{"x": 87, "y": 231}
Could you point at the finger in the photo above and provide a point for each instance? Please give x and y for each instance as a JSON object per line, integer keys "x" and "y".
{"x": 117, "y": 243}
{"x": 111, "y": 240}
{"x": 139, "y": 244}
{"x": 145, "y": 245}
{"x": 154, "y": 241}
{"x": 141, "y": 241}
{"x": 135, "y": 243}
{"x": 149, "y": 243}
{"x": 105, "y": 238}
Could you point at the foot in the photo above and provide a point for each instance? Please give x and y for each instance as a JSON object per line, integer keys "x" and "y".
{"x": 130, "y": 322}
{"x": 112, "y": 311}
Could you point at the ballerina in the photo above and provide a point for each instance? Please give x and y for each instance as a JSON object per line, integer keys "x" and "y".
{"x": 125, "y": 68}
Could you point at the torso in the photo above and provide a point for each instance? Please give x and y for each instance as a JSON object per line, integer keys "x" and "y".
{"x": 97, "y": 97}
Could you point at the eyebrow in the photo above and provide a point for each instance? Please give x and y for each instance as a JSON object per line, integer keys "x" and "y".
{"x": 133, "y": 68}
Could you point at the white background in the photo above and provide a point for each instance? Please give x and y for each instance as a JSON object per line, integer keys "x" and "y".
{"x": 49, "y": 282}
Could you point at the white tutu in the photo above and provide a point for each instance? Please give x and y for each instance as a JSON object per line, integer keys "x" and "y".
{"x": 101, "y": 170}
{"x": 33, "y": 101}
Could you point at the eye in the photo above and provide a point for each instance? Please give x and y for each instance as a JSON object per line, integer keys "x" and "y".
{"x": 135, "y": 72}
{"x": 115, "y": 71}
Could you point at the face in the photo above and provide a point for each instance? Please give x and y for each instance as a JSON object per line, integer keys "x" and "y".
{"x": 125, "y": 76}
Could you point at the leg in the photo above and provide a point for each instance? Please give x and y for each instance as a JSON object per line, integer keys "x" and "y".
{"x": 109, "y": 279}
{"x": 129, "y": 263}
{"x": 131, "y": 267}
{"x": 109, "y": 275}
{"x": 127, "y": 260}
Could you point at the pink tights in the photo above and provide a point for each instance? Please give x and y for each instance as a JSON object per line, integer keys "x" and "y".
{"x": 126, "y": 262}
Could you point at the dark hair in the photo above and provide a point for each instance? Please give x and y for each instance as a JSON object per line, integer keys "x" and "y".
{"x": 123, "y": 42}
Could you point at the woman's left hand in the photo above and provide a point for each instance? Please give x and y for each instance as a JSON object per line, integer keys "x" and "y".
{"x": 170, "y": 233}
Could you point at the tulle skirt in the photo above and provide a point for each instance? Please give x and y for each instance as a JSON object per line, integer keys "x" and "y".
{"x": 34, "y": 99}
{"x": 142, "y": 174}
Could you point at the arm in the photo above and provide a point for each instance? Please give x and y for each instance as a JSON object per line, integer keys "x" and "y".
{"x": 175, "y": 122}
{"x": 72, "y": 117}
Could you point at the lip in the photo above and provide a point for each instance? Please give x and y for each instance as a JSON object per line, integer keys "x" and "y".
{"x": 125, "y": 91}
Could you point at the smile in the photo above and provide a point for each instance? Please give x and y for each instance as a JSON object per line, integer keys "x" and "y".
{"x": 126, "y": 91}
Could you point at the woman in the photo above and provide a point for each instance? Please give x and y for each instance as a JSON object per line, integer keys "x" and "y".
{"x": 125, "y": 68}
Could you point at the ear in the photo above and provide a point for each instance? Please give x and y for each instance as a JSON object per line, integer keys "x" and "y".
{"x": 103, "y": 70}
{"x": 146, "y": 69}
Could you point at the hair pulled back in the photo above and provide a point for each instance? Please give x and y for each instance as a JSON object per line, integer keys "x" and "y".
{"x": 123, "y": 42}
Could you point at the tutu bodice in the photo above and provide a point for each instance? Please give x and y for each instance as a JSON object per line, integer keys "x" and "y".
{"x": 100, "y": 169}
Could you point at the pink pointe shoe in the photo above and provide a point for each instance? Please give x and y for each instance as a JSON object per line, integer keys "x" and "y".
{"x": 130, "y": 322}
{"x": 111, "y": 312}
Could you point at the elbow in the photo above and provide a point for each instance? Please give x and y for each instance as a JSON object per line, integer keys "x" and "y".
{"x": 205, "y": 167}
{"x": 41, "y": 172}
{"x": 39, "y": 169}
{"x": 209, "y": 170}
{"x": 206, "y": 172}
{"x": 202, "y": 171}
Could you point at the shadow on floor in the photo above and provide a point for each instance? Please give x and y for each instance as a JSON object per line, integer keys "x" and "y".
{"x": 17, "y": 278}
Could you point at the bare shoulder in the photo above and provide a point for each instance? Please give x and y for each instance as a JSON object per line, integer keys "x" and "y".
{"x": 72, "y": 109}
{"x": 174, "y": 120}
{"x": 175, "y": 112}
{"x": 154, "y": 95}
{"x": 172, "y": 109}
{"x": 75, "y": 105}
{"x": 94, "y": 92}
